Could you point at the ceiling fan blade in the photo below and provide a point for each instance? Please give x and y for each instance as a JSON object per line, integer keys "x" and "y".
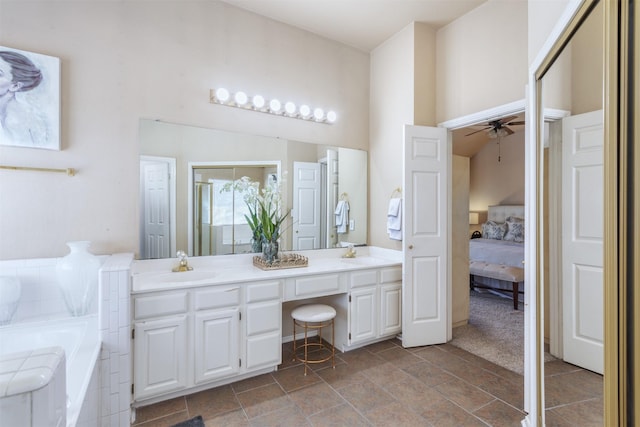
{"x": 515, "y": 123}
{"x": 505, "y": 120}
{"x": 509, "y": 131}
{"x": 481, "y": 130}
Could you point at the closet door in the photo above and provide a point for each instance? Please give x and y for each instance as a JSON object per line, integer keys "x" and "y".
{"x": 426, "y": 297}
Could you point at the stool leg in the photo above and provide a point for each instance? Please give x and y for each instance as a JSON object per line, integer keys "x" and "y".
{"x": 306, "y": 347}
{"x": 333, "y": 344}
{"x": 294, "y": 340}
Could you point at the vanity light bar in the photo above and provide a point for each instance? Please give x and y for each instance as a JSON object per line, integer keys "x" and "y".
{"x": 258, "y": 103}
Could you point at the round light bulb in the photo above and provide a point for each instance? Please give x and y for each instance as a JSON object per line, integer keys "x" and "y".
{"x": 332, "y": 116}
{"x": 222, "y": 95}
{"x": 240, "y": 98}
{"x": 305, "y": 111}
{"x": 290, "y": 108}
{"x": 258, "y": 101}
{"x": 318, "y": 114}
{"x": 275, "y": 106}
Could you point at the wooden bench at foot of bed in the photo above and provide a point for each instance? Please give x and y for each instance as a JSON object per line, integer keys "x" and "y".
{"x": 515, "y": 275}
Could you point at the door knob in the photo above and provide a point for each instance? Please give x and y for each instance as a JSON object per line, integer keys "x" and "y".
{"x": 410, "y": 246}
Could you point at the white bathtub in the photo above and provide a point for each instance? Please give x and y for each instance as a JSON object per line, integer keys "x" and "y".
{"x": 80, "y": 338}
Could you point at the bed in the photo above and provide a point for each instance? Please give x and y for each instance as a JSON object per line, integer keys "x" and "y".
{"x": 496, "y": 259}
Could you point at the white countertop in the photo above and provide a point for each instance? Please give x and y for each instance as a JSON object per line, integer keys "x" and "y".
{"x": 156, "y": 275}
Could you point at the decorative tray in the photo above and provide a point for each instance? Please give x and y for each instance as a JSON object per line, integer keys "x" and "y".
{"x": 283, "y": 261}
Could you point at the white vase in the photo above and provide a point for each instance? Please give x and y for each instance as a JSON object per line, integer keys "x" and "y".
{"x": 77, "y": 275}
{"x": 9, "y": 297}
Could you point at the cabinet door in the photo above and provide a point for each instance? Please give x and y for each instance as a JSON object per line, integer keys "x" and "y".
{"x": 217, "y": 341}
{"x": 390, "y": 309}
{"x": 264, "y": 346}
{"x": 362, "y": 315}
{"x": 160, "y": 356}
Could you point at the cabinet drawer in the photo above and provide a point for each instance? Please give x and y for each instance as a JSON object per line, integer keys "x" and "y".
{"x": 263, "y": 317}
{"x": 312, "y": 286}
{"x": 217, "y": 297}
{"x": 160, "y": 305}
{"x": 263, "y": 291}
{"x": 363, "y": 278}
{"x": 391, "y": 274}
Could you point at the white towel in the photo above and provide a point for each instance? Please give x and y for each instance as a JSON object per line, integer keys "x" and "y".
{"x": 394, "y": 219}
{"x": 342, "y": 216}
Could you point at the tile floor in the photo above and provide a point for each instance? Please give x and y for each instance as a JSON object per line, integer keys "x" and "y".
{"x": 386, "y": 385}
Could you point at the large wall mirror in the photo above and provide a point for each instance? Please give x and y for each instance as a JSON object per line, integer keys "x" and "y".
{"x": 571, "y": 163}
{"x": 185, "y": 202}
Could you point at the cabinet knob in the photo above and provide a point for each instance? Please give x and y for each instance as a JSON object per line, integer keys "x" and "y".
{"x": 410, "y": 246}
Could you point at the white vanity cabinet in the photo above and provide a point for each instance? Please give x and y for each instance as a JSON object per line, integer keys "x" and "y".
{"x": 374, "y": 304}
{"x": 190, "y": 339}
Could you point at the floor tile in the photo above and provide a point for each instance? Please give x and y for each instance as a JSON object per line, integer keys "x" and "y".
{"x": 365, "y": 396}
{"x": 253, "y": 382}
{"x": 161, "y": 409}
{"x": 444, "y": 413}
{"x": 400, "y": 357}
{"x": 413, "y": 393}
{"x": 342, "y": 376}
{"x": 589, "y": 413}
{"x": 341, "y": 416}
{"x": 395, "y": 414}
{"x": 464, "y": 394}
{"x": 428, "y": 374}
{"x": 294, "y": 378}
{"x": 212, "y": 402}
{"x": 262, "y": 400}
{"x": 166, "y": 421}
{"x": 384, "y": 374}
{"x": 285, "y": 417}
{"x": 316, "y": 398}
{"x": 236, "y": 418}
{"x": 499, "y": 414}
{"x": 559, "y": 391}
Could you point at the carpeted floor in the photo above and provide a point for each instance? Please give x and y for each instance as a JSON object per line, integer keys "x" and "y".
{"x": 495, "y": 331}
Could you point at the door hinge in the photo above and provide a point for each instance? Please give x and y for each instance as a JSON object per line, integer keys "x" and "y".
{"x": 239, "y": 315}
{"x": 349, "y": 297}
{"x": 133, "y": 334}
{"x": 132, "y": 388}
{"x": 240, "y": 363}
{"x": 349, "y": 335}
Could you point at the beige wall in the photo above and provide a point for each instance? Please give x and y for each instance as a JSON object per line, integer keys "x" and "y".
{"x": 498, "y": 183}
{"x": 460, "y": 240}
{"x": 391, "y": 107}
{"x": 125, "y": 60}
{"x": 481, "y": 59}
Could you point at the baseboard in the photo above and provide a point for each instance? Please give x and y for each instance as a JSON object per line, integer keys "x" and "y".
{"x": 289, "y": 338}
{"x": 460, "y": 323}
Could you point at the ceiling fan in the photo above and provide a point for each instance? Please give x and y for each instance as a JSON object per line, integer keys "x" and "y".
{"x": 499, "y": 127}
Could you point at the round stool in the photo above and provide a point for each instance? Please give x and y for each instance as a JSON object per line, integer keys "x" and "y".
{"x": 314, "y": 316}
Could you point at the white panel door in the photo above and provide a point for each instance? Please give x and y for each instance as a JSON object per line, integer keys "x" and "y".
{"x": 306, "y": 205}
{"x": 425, "y": 285}
{"x": 156, "y": 227}
{"x": 582, "y": 240}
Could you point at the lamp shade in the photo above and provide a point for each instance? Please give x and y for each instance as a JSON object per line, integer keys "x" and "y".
{"x": 474, "y": 218}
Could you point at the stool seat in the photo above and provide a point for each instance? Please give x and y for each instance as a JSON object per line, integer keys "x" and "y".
{"x": 313, "y": 313}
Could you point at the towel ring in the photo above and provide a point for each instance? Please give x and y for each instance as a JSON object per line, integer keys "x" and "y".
{"x": 396, "y": 192}
{"x": 343, "y": 196}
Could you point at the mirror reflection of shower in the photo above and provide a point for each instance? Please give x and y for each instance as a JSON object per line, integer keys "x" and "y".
{"x": 219, "y": 223}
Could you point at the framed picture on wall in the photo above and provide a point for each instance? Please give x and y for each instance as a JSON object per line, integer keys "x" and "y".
{"x": 29, "y": 99}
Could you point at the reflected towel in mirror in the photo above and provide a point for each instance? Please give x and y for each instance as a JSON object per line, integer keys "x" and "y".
{"x": 342, "y": 216}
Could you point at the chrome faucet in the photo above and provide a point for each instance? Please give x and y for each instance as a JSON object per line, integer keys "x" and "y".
{"x": 183, "y": 265}
{"x": 351, "y": 252}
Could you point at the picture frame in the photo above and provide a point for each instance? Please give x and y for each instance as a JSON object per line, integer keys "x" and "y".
{"x": 29, "y": 99}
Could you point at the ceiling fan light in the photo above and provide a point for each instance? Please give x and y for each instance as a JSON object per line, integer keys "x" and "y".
{"x": 502, "y": 132}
